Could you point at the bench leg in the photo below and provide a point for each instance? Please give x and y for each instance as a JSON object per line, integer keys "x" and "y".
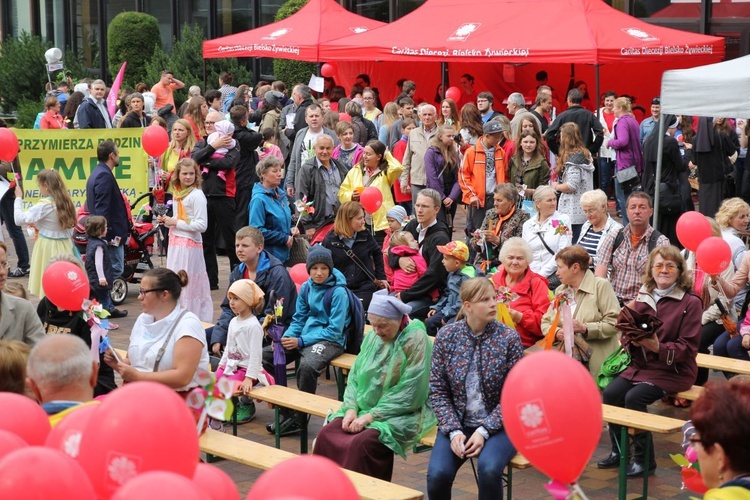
{"x": 624, "y": 449}
{"x": 303, "y": 434}
{"x": 510, "y": 482}
{"x": 646, "y": 465}
{"x": 235, "y": 402}
{"x": 277, "y": 431}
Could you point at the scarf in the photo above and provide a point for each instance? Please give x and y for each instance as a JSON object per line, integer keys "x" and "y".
{"x": 178, "y": 197}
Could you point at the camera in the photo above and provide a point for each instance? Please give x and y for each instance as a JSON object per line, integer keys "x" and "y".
{"x": 457, "y": 138}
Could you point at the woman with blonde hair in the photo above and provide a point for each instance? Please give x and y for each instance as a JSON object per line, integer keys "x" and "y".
{"x": 441, "y": 163}
{"x": 733, "y": 216}
{"x": 388, "y": 118}
{"x": 575, "y": 175}
{"x": 180, "y": 147}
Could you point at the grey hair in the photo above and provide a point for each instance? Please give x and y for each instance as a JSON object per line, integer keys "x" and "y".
{"x": 194, "y": 91}
{"x": 541, "y": 192}
{"x": 60, "y": 361}
{"x": 267, "y": 164}
{"x": 393, "y": 321}
{"x": 353, "y": 108}
{"x": 433, "y": 195}
{"x": 507, "y": 191}
{"x": 98, "y": 82}
{"x": 304, "y": 91}
{"x": 517, "y": 99}
{"x": 427, "y": 106}
{"x": 516, "y": 243}
{"x": 323, "y": 136}
{"x": 594, "y": 197}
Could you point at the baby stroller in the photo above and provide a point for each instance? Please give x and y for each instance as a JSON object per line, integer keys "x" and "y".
{"x": 138, "y": 249}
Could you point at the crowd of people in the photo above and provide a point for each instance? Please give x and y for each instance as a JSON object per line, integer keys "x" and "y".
{"x": 279, "y": 178}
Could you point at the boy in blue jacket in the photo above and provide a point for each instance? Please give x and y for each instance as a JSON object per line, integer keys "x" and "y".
{"x": 455, "y": 257}
{"x": 316, "y": 335}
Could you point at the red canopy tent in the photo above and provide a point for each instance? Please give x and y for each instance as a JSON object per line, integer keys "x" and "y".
{"x": 563, "y": 31}
{"x": 300, "y": 36}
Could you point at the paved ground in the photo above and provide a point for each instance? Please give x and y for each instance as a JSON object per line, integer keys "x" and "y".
{"x": 527, "y": 484}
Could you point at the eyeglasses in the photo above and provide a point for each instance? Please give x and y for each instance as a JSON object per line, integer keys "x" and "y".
{"x": 662, "y": 266}
{"x": 210, "y": 123}
{"x": 141, "y": 291}
{"x": 5, "y": 265}
{"x": 482, "y": 100}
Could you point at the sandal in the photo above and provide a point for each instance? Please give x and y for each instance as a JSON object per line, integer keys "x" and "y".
{"x": 682, "y": 403}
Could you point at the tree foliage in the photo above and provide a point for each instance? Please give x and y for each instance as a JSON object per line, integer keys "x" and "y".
{"x": 22, "y": 70}
{"x": 288, "y": 70}
{"x": 131, "y": 37}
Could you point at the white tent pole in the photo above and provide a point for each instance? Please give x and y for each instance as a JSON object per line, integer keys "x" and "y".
{"x": 657, "y": 178}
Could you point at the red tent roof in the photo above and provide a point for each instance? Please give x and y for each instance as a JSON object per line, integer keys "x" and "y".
{"x": 297, "y": 37}
{"x": 524, "y": 31}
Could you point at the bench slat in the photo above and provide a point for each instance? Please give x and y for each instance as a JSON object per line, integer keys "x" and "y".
{"x": 691, "y": 394}
{"x": 293, "y": 399}
{"x": 724, "y": 364}
{"x": 344, "y": 362}
{"x": 517, "y": 462}
{"x": 640, "y": 420}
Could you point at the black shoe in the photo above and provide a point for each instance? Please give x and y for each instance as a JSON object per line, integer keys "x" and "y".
{"x": 118, "y": 313}
{"x": 637, "y": 470}
{"x": 287, "y": 426}
{"x": 214, "y": 287}
{"x": 611, "y": 462}
{"x": 19, "y": 272}
{"x": 271, "y": 427}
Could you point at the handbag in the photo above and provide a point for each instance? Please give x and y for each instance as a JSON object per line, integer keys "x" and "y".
{"x": 613, "y": 365}
{"x": 670, "y": 199}
{"x": 298, "y": 252}
{"x": 552, "y": 280}
{"x": 627, "y": 175}
{"x": 163, "y": 347}
{"x": 581, "y": 349}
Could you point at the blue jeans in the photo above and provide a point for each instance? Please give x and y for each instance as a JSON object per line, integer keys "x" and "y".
{"x": 606, "y": 171}
{"x": 621, "y": 195}
{"x": 730, "y": 348}
{"x": 16, "y": 233}
{"x": 117, "y": 256}
{"x": 420, "y": 308}
{"x": 444, "y": 464}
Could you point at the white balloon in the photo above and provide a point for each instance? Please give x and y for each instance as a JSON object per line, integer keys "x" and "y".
{"x": 53, "y": 55}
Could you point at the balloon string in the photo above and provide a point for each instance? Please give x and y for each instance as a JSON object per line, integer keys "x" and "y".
{"x": 577, "y": 490}
{"x": 201, "y": 421}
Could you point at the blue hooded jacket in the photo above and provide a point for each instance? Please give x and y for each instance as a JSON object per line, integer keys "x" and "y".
{"x": 269, "y": 211}
{"x": 311, "y": 322}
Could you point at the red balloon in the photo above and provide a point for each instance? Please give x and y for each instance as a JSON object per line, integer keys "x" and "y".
{"x": 65, "y": 285}
{"x": 155, "y": 140}
{"x": 8, "y": 145}
{"x": 371, "y": 199}
{"x": 693, "y": 480}
{"x": 66, "y": 435}
{"x": 315, "y": 478}
{"x": 453, "y": 93}
{"x": 215, "y": 483}
{"x": 692, "y": 228}
{"x": 557, "y": 437}
{"x": 328, "y": 70}
{"x": 713, "y": 255}
{"x": 344, "y": 117}
{"x": 24, "y": 418}
{"x": 162, "y": 485}
{"x": 299, "y": 274}
{"x": 141, "y": 427}
{"x": 38, "y": 472}
{"x": 9, "y": 443}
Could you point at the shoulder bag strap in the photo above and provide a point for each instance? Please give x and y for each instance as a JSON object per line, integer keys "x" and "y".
{"x": 163, "y": 348}
{"x": 545, "y": 244}
{"x": 349, "y": 253}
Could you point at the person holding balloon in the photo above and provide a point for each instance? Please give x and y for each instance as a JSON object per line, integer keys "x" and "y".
{"x": 663, "y": 361}
{"x": 377, "y": 169}
{"x": 471, "y": 359}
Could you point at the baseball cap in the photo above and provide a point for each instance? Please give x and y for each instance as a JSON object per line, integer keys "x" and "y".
{"x": 492, "y": 127}
{"x": 457, "y": 249}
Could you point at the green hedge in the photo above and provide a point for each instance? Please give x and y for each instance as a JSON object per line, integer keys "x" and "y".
{"x": 131, "y": 37}
{"x": 288, "y": 70}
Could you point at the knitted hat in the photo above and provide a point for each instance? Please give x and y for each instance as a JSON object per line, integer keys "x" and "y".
{"x": 247, "y": 291}
{"x": 387, "y": 306}
{"x": 319, "y": 254}
{"x": 397, "y": 212}
{"x": 457, "y": 249}
{"x": 273, "y": 97}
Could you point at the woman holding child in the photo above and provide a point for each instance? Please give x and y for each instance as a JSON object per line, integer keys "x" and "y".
{"x": 385, "y": 410}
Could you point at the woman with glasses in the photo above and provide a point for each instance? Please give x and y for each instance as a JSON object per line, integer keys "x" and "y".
{"x": 662, "y": 362}
{"x": 168, "y": 343}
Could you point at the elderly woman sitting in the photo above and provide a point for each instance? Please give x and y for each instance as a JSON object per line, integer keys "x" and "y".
{"x": 502, "y": 222}
{"x": 532, "y": 291}
{"x": 598, "y": 223}
{"x": 596, "y": 309}
{"x": 385, "y": 408}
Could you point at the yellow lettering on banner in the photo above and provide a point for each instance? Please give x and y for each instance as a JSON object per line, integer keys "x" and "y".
{"x": 73, "y": 154}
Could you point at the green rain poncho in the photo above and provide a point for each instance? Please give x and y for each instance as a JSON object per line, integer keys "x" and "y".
{"x": 391, "y": 381}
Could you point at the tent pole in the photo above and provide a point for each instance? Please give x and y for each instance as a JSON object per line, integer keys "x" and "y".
{"x": 204, "y": 75}
{"x": 596, "y": 89}
{"x": 444, "y": 77}
{"x": 657, "y": 178}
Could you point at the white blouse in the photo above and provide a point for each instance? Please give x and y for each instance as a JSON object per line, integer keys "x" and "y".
{"x": 544, "y": 261}
{"x": 44, "y": 217}
{"x": 196, "y": 210}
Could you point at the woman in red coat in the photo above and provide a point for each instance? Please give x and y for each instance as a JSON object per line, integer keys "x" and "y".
{"x": 663, "y": 362}
{"x": 531, "y": 289}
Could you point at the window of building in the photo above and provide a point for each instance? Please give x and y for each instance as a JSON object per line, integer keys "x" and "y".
{"x": 193, "y": 12}
{"x": 374, "y": 9}
{"x": 85, "y": 15}
{"x": 234, "y": 16}
{"x": 162, "y": 11}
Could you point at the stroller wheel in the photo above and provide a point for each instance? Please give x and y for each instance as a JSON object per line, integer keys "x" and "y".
{"x": 119, "y": 291}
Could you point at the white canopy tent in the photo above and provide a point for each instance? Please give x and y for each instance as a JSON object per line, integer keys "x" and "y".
{"x": 721, "y": 89}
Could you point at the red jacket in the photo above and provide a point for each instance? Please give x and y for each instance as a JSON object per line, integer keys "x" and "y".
{"x": 471, "y": 176}
{"x": 533, "y": 301}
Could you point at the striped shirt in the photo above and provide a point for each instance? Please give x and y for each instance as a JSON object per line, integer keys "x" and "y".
{"x": 590, "y": 241}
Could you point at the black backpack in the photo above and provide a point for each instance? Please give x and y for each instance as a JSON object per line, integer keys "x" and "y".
{"x": 652, "y": 240}
{"x": 354, "y": 330}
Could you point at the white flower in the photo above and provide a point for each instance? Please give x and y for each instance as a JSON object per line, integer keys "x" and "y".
{"x": 466, "y": 29}
{"x": 531, "y": 415}
{"x": 72, "y": 444}
{"x": 121, "y": 470}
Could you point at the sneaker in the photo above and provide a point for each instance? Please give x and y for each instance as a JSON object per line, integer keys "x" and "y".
{"x": 289, "y": 426}
{"x": 118, "y": 313}
{"x": 245, "y": 413}
{"x": 19, "y": 272}
{"x": 216, "y": 425}
{"x": 113, "y": 326}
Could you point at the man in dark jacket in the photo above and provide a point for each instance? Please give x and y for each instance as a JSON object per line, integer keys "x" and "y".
{"x": 92, "y": 113}
{"x": 220, "y": 191}
{"x": 245, "y": 175}
{"x": 591, "y": 130}
{"x": 302, "y": 96}
{"x": 268, "y": 273}
{"x": 103, "y": 197}
{"x": 430, "y": 233}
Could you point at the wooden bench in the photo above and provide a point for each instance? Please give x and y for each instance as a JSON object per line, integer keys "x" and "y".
{"x": 341, "y": 368}
{"x": 691, "y": 394}
{"x": 632, "y": 423}
{"x": 723, "y": 364}
{"x": 260, "y": 456}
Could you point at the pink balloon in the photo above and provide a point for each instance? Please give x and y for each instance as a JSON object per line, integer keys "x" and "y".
{"x": 66, "y": 435}
{"x": 8, "y": 145}
{"x": 215, "y": 483}
{"x": 692, "y": 228}
{"x": 453, "y": 93}
{"x": 344, "y": 117}
{"x": 162, "y": 485}
{"x": 371, "y": 199}
{"x": 65, "y": 285}
{"x": 298, "y": 272}
{"x": 9, "y": 443}
{"x": 315, "y": 478}
{"x": 713, "y": 255}
{"x": 328, "y": 70}
{"x": 38, "y": 472}
{"x": 155, "y": 140}
{"x": 24, "y": 418}
{"x": 141, "y": 427}
{"x": 556, "y": 436}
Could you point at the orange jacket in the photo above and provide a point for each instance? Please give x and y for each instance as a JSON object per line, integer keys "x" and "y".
{"x": 472, "y": 178}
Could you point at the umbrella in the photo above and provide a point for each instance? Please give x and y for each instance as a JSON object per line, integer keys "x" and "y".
{"x": 635, "y": 326}
{"x": 275, "y": 331}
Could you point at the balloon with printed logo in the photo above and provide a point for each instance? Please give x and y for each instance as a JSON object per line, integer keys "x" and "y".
{"x": 315, "y": 478}
{"x": 328, "y": 70}
{"x": 453, "y": 93}
{"x": 692, "y": 228}
{"x": 557, "y": 437}
{"x": 155, "y": 140}
{"x": 24, "y": 418}
{"x": 65, "y": 285}
{"x": 215, "y": 483}
{"x": 66, "y": 435}
{"x": 39, "y": 472}
{"x": 713, "y": 255}
{"x": 371, "y": 199}
{"x": 8, "y": 145}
